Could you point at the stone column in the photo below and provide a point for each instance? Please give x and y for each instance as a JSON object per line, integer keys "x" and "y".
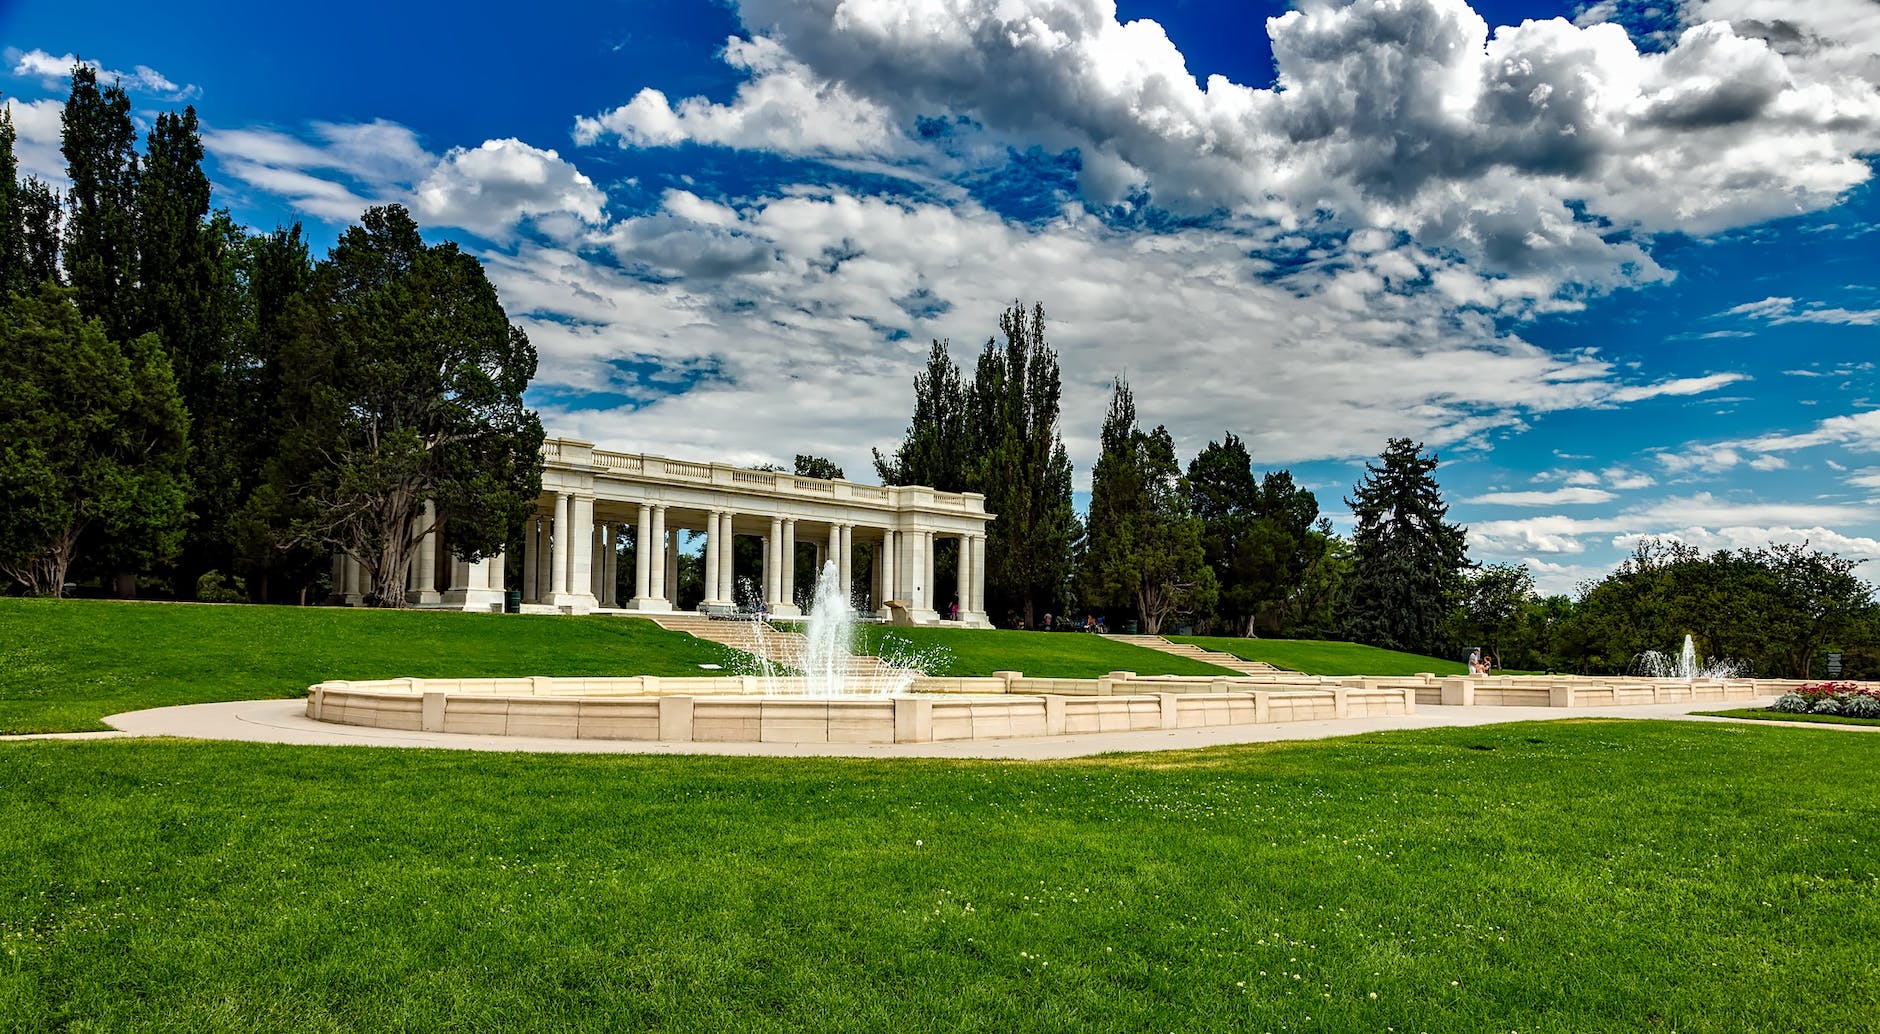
{"x": 642, "y": 556}
{"x": 930, "y": 599}
{"x": 424, "y": 567}
{"x": 789, "y": 561}
{"x": 672, "y": 566}
{"x": 978, "y": 574}
{"x": 656, "y": 552}
{"x": 558, "y": 563}
{"x": 711, "y": 556}
{"x": 888, "y": 587}
{"x": 610, "y": 582}
{"x": 773, "y": 563}
{"x": 580, "y": 583}
{"x": 531, "y": 558}
{"x": 727, "y": 570}
{"x": 963, "y": 576}
{"x": 597, "y": 538}
{"x": 845, "y": 564}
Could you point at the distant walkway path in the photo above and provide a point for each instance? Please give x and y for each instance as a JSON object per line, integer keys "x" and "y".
{"x": 286, "y": 721}
{"x": 1196, "y": 653}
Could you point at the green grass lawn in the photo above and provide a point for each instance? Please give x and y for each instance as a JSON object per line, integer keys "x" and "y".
{"x": 1326, "y": 657}
{"x": 1571, "y": 876}
{"x": 64, "y": 664}
{"x": 1059, "y": 655}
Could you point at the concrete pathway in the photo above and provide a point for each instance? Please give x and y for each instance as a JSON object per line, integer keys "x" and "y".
{"x": 285, "y": 721}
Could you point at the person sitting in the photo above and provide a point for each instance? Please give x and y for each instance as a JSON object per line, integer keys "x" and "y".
{"x": 1476, "y": 667}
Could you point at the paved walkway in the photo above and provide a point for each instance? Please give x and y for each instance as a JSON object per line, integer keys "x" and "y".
{"x": 285, "y": 721}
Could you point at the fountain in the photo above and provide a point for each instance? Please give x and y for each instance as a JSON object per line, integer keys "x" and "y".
{"x": 1655, "y": 665}
{"x": 822, "y": 653}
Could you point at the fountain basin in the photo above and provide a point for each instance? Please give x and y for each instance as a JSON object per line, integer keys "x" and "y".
{"x": 724, "y": 711}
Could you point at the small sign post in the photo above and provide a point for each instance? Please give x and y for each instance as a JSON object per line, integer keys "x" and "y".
{"x": 1834, "y": 665}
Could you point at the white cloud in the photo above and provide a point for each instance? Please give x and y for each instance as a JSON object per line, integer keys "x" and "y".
{"x": 803, "y": 294}
{"x": 1556, "y": 497}
{"x": 38, "y": 125}
{"x": 346, "y": 167}
{"x": 783, "y": 108}
{"x": 1782, "y": 310}
{"x": 54, "y": 71}
{"x": 489, "y": 189}
{"x": 1393, "y": 113}
{"x": 1866, "y": 477}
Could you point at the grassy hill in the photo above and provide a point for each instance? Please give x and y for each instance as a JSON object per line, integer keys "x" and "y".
{"x": 1326, "y": 657}
{"x": 65, "y": 664}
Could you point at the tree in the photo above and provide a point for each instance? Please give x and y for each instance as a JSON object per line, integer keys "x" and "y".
{"x": 1225, "y": 498}
{"x": 817, "y": 467}
{"x": 1408, "y": 559}
{"x": 1144, "y": 547}
{"x": 41, "y": 214}
{"x": 415, "y": 379}
{"x": 1492, "y": 604}
{"x": 1819, "y": 601}
{"x": 1019, "y": 463}
{"x": 93, "y": 442}
{"x": 12, "y": 228}
{"x": 935, "y": 450}
{"x": 101, "y": 244}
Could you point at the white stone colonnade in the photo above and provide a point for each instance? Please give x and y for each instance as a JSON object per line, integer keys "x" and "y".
{"x": 594, "y": 502}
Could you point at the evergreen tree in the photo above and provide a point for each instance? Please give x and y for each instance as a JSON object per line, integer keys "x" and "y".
{"x": 935, "y": 450}
{"x": 414, "y": 377}
{"x": 93, "y": 443}
{"x": 12, "y": 224}
{"x": 41, "y": 216}
{"x": 101, "y": 236}
{"x": 1225, "y": 498}
{"x": 1408, "y": 560}
{"x": 1144, "y": 548}
{"x": 1021, "y": 467}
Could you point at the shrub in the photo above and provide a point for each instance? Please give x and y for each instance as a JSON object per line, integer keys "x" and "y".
{"x": 212, "y": 587}
{"x": 1861, "y": 705}
{"x": 1791, "y": 703}
{"x": 1826, "y": 705}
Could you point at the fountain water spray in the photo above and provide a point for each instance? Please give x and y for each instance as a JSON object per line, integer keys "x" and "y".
{"x": 822, "y": 654}
{"x": 1655, "y": 665}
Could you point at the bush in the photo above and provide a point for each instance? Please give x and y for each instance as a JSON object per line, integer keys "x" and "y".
{"x": 213, "y": 588}
{"x": 1791, "y": 703}
{"x": 1826, "y": 705}
{"x": 1861, "y": 705}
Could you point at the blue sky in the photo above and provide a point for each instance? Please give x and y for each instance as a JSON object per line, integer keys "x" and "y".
{"x": 1613, "y": 261}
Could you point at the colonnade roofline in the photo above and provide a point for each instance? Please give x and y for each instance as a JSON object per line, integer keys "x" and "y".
{"x": 574, "y": 456}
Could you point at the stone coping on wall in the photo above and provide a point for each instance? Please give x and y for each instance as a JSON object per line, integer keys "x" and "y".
{"x": 1007, "y": 704}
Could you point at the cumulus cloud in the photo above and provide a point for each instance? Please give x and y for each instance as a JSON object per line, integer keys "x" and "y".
{"x": 490, "y": 188}
{"x": 1544, "y": 147}
{"x": 56, "y": 70}
{"x": 38, "y": 127}
{"x": 783, "y": 108}
{"x": 832, "y": 296}
{"x": 340, "y": 169}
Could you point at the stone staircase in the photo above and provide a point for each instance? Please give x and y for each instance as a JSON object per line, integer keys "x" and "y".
{"x": 777, "y": 646}
{"x": 1193, "y": 652}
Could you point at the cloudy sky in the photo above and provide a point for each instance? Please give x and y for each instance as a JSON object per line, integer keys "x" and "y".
{"x": 1613, "y": 261}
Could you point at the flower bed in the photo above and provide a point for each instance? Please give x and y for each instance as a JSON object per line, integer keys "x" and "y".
{"x": 1846, "y": 699}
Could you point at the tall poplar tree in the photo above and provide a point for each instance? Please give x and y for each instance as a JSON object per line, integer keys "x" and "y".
{"x": 935, "y": 450}
{"x": 41, "y": 214}
{"x": 1408, "y": 562}
{"x": 1021, "y": 466}
{"x": 98, "y": 142}
{"x": 12, "y": 225}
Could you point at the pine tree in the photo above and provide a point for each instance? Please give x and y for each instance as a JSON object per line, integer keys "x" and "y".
{"x": 1408, "y": 559}
{"x": 1144, "y": 545}
{"x": 41, "y": 213}
{"x": 100, "y": 239}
